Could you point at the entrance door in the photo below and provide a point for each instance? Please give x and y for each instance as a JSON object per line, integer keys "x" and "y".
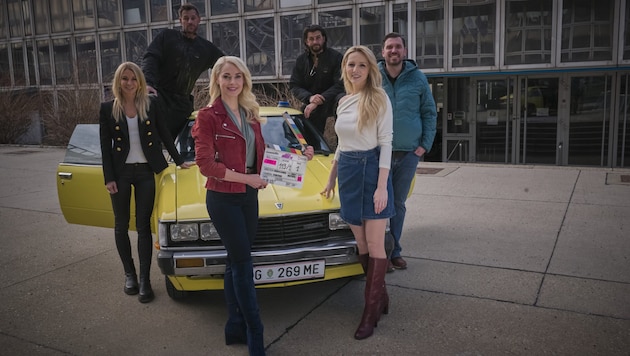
{"x": 590, "y": 120}
{"x": 534, "y": 112}
{"x": 493, "y": 129}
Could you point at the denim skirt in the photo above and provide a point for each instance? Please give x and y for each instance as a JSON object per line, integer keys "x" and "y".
{"x": 357, "y": 174}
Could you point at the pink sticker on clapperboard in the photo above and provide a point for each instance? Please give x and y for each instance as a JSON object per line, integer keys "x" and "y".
{"x": 272, "y": 162}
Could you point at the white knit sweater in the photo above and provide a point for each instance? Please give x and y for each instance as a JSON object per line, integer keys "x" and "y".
{"x": 379, "y": 133}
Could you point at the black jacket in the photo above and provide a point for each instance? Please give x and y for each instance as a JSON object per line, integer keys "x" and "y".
{"x": 115, "y": 141}
{"x": 326, "y": 80}
{"x": 173, "y": 63}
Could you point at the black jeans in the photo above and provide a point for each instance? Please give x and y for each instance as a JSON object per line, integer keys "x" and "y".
{"x": 142, "y": 178}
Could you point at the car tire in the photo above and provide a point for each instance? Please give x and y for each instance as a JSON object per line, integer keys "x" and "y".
{"x": 173, "y": 292}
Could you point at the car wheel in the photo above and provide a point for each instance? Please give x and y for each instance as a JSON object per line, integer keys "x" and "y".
{"x": 173, "y": 292}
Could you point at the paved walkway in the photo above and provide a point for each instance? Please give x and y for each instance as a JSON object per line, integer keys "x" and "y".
{"x": 503, "y": 260}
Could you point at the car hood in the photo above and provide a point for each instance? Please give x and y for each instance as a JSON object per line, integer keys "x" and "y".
{"x": 189, "y": 187}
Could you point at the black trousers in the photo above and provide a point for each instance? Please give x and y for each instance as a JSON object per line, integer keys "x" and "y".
{"x": 141, "y": 177}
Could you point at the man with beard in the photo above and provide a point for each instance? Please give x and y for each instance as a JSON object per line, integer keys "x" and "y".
{"x": 316, "y": 77}
{"x": 414, "y": 127}
{"x": 173, "y": 62}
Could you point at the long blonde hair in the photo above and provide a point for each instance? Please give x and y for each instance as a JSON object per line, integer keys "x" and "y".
{"x": 141, "y": 101}
{"x": 373, "y": 99}
{"x": 246, "y": 99}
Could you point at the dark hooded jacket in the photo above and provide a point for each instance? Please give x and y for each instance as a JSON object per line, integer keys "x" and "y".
{"x": 325, "y": 81}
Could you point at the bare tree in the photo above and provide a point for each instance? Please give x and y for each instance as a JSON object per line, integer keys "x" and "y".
{"x": 16, "y": 108}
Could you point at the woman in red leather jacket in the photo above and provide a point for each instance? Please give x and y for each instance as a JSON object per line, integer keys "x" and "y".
{"x": 229, "y": 148}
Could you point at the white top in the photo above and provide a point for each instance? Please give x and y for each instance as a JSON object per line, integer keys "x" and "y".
{"x": 136, "y": 155}
{"x": 379, "y": 133}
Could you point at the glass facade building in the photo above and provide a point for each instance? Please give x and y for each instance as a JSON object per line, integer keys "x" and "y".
{"x": 520, "y": 82}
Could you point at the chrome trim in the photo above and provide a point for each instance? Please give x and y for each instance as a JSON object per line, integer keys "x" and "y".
{"x": 333, "y": 253}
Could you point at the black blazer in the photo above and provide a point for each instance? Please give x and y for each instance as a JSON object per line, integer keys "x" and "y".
{"x": 115, "y": 141}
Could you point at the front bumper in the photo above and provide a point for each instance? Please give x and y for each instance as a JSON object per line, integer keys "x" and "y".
{"x": 204, "y": 269}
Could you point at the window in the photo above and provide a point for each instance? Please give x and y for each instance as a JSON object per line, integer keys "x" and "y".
{"x": 338, "y": 25}
{"x": 222, "y": 7}
{"x": 30, "y": 62}
{"x": 372, "y": 28}
{"x": 401, "y": 20}
{"x": 473, "y": 32}
{"x": 292, "y": 3}
{"x": 136, "y": 44}
{"x": 261, "y": 57}
{"x": 108, "y": 13}
{"x": 225, "y": 35}
{"x": 19, "y": 71}
{"x": 134, "y": 12}
{"x": 587, "y": 30}
{"x": 256, "y": 5}
{"x": 83, "y": 14}
{"x": 3, "y": 33}
{"x": 15, "y": 18}
{"x": 528, "y": 31}
{"x": 41, "y": 10}
{"x": 59, "y": 19}
{"x": 5, "y": 71}
{"x": 86, "y": 59}
{"x": 291, "y": 28}
{"x": 626, "y": 36}
{"x": 110, "y": 55}
{"x": 63, "y": 60}
{"x": 159, "y": 10}
{"x": 45, "y": 69}
{"x": 429, "y": 34}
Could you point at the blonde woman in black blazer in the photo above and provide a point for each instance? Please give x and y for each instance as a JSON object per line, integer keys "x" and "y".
{"x": 132, "y": 132}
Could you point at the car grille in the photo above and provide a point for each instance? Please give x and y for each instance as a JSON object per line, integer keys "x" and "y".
{"x": 292, "y": 229}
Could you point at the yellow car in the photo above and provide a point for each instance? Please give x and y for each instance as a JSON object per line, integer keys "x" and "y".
{"x": 301, "y": 237}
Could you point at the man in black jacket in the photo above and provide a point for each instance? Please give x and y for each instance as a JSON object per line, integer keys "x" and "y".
{"x": 173, "y": 62}
{"x": 316, "y": 78}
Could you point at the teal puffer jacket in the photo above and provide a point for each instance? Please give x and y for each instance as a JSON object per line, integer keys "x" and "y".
{"x": 414, "y": 108}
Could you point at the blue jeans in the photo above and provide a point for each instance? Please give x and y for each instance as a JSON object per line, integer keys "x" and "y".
{"x": 235, "y": 216}
{"x": 402, "y": 172}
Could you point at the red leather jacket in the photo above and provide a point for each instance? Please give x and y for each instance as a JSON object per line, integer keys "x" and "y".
{"x": 219, "y": 145}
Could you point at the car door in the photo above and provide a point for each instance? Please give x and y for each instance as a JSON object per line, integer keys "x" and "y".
{"x": 80, "y": 185}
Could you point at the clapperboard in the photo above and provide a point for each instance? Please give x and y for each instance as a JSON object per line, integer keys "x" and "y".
{"x": 284, "y": 165}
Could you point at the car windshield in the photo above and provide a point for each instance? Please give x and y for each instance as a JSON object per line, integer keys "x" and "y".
{"x": 275, "y": 131}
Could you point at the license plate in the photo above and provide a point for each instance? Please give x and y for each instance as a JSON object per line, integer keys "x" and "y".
{"x": 289, "y": 272}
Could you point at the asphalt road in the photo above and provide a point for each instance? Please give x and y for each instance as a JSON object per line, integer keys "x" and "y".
{"x": 503, "y": 260}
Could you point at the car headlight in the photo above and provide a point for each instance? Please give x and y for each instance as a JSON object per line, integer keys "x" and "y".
{"x": 209, "y": 232}
{"x": 335, "y": 222}
{"x": 184, "y": 232}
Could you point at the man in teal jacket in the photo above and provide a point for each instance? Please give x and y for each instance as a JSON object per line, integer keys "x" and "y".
{"x": 414, "y": 127}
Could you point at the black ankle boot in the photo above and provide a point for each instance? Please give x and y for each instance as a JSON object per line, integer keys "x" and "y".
{"x": 131, "y": 284}
{"x": 146, "y": 293}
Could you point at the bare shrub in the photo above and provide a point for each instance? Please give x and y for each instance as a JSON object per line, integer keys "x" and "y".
{"x": 15, "y": 108}
{"x": 71, "y": 107}
{"x": 201, "y": 95}
{"x": 271, "y": 94}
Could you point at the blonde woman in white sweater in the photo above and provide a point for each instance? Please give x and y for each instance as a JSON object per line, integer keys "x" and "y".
{"x": 361, "y": 165}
